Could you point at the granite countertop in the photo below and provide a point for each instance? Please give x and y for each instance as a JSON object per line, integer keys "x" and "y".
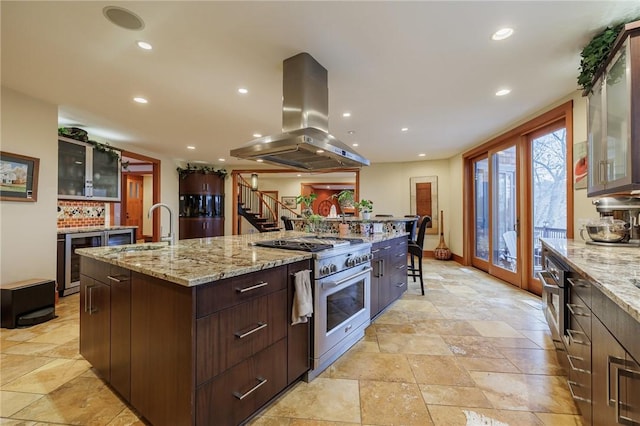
{"x": 92, "y": 229}
{"x": 202, "y": 260}
{"x": 614, "y": 270}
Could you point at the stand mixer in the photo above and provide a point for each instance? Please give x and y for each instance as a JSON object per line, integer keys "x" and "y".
{"x": 626, "y": 209}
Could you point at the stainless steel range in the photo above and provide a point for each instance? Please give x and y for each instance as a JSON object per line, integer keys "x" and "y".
{"x": 341, "y": 293}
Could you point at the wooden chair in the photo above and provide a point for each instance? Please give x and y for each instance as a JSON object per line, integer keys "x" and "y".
{"x": 412, "y": 226}
{"x": 415, "y": 249}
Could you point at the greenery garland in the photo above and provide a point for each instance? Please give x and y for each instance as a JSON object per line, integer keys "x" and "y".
{"x": 184, "y": 171}
{"x": 81, "y": 135}
{"x": 594, "y": 55}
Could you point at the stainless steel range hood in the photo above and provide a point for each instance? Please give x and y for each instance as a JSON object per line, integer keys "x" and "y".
{"x": 305, "y": 142}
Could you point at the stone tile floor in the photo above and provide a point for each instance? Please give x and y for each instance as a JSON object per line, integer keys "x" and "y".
{"x": 473, "y": 351}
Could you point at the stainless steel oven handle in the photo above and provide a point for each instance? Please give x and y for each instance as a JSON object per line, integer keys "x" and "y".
{"x": 344, "y": 280}
{"x": 549, "y": 287}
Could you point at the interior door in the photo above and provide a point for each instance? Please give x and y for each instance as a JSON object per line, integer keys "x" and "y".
{"x": 134, "y": 195}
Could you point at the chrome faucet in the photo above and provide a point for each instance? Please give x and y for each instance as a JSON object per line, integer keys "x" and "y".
{"x": 171, "y": 238}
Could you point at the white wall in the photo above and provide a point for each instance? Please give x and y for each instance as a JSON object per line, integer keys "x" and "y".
{"x": 28, "y": 229}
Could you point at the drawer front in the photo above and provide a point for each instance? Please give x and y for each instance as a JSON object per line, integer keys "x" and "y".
{"x": 579, "y": 313}
{"x": 248, "y": 328}
{"x": 233, "y": 291}
{"x": 581, "y": 287}
{"x": 236, "y": 394}
{"x": 579, "y": 360}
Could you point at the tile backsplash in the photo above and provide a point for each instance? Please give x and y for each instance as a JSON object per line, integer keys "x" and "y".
{"x": 72, "y": 214}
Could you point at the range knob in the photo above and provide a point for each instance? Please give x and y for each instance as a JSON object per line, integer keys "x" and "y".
{"x": 333, "y": 267}
{"x": 351, "y": 262}
{"x": 325, "y": 270}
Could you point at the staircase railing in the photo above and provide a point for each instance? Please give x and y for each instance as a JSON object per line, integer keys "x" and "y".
{"x": 265, "y": 205}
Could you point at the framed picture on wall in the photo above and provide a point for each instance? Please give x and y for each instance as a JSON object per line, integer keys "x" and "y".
{"x": 289, "y": 202}
{"x": 19, "y": 177}
{"x": 580, "y": 165}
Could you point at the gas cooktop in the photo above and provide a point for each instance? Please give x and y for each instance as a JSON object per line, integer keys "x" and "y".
{"x": 310, "y": 244}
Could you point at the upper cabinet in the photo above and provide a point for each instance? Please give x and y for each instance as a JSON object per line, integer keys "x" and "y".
{"x": 85, "y": 173}
{"x": 614, "y": 119}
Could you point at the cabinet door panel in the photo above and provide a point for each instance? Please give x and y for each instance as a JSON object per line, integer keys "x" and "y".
{"x": 607, "y": 356}
{"x": 201, "y": 183}
{"x": 191, "y": 227}
{"x": 95, "y": 328}
{"x": 121, "y": 332}
{"x": 618, "y": 135}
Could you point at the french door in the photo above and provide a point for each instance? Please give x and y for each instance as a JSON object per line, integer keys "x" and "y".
{"x": 496, "y": 213}
{"x": 518, "y": 190}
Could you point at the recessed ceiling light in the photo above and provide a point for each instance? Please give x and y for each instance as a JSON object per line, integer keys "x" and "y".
{"x": 221, "y": 159}
{"x": 298, "y": 175}
{"x": 140, "y": 100}
{"x": 191, "y": 147}
{"x": 144, "y": 45}
{"x": 320, "y": 151}
{"x": 354, "y": 144}
{"x": 352, "y": 132}
{"x": 257, "y": 135}
{"x": 346, "y": 114}
{"x": 259, "y": 160}
{"x": 422, "y": 155}
{"x": 503, "y": 92}
{"x": 243, "y": 91}
{"x": 404, "y": 129}
{"x": 502, "y": 33}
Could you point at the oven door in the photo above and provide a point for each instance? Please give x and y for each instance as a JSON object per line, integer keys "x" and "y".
{"x": 342, "y": 306}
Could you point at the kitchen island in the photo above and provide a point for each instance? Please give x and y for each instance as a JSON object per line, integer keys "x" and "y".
{"x": 599, "y": 322}
{"x": 195, "y": 333}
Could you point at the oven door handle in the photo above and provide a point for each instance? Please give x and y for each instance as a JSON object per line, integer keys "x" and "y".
{"x": 552, "y": 287}
{"x": 344, "y": 280}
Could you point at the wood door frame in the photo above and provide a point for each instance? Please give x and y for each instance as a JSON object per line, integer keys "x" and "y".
{"x": 522, "y": 132}
{"x": 234, "y": 187}
{"x": 156, "y": 170}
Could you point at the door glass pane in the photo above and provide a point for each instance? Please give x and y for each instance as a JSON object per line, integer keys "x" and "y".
{"x": 71, "y": 168}
{"x": 105, "y": 175}
{"x": 345, "y": 303}
{"x": 618, "y": 106}
{"x": 504, "y": 209}
{"x": 481, "y": 209}
{"x": 549, "y": 189}
{"x": 595, "y": 135}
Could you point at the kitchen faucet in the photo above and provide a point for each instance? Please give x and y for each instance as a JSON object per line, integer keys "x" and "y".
{"x": 171, "y": 238}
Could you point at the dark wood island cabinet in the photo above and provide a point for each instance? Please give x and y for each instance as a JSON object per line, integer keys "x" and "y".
{"x": 212, "y": 353}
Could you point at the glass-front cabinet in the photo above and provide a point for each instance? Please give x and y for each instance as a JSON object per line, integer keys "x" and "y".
{"x": 613, "y": 124}
{"x": 85, "y": 173}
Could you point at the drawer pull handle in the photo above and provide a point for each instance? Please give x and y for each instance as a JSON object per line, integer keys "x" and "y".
{"x": 632, "y": 375}
{"x": 573, "y": 395}
{"x": 571, "y": 333}
{"x": 386, "y": 247}
{"x": 401, "y": 266}
{"x": 573, "y": 367}
{"x": 118, "y": 278}
{"x": 260, "y": 326}
{"x": 241, "y": 396}
{"x": 253, "y": 287}
{"x": 399, "y": 285}
{"x": 578, "y": 282}
{"x": 615, "y": 361}
{"x": 573, "y": 306}
{"x": 92, "y": 310}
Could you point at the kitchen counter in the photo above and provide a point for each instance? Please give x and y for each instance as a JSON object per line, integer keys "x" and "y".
{"x": 614, "y": 270}
{"x": 202, "y": 260}
{"x": 92, "y": 229}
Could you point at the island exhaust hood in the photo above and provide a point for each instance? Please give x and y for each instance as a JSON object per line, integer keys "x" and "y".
{"x": 305, "y": 142}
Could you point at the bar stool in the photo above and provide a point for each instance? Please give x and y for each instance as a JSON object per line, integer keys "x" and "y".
{"x": 415, "y": 249}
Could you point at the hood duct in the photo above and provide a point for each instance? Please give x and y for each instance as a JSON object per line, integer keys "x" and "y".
{"x": 305, "y": 142}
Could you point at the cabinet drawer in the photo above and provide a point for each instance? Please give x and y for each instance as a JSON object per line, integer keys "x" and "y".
{"x": 579, "y": 313}
{"x": 235, "y": 334}
{"x": 104, "y": 272}
{"x": 581, "y": 287}
{"x": 236, "y": 394}
{"x": 232, "y": 291}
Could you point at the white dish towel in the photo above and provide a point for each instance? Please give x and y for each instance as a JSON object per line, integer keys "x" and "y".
{"x": 302, "y": 308}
